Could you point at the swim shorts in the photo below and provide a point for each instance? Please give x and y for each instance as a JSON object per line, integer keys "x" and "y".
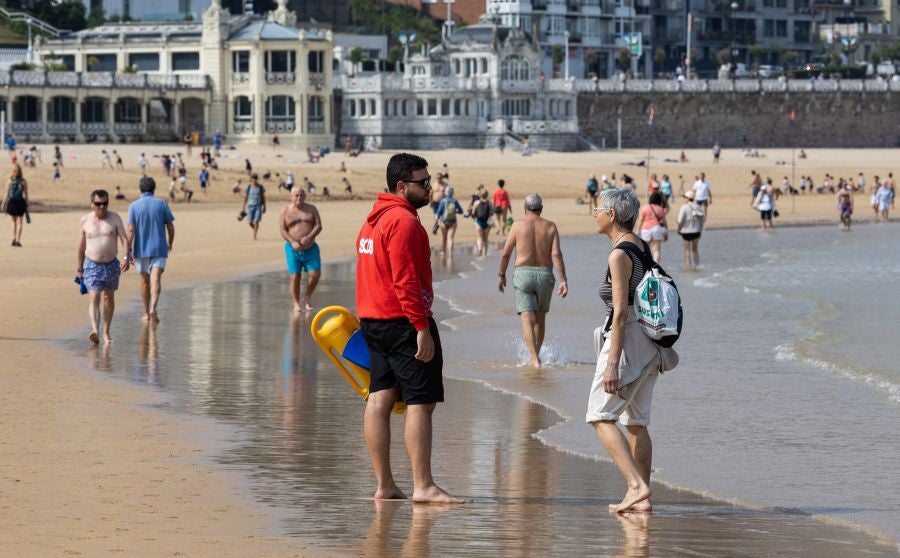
{"x": 534, "y": 287}
{"x": 392, "y": 349}
{"x": 101, "y": 276}
{"x": 144, "y": 265}
{"x": 690, "y": 236}
{"x": 254, "y": 213}
{"x": 657, "y": 232}
{"x": 482, "y": 223}
{"x": 300, "y": 260}
{"x": 765, "y": 214}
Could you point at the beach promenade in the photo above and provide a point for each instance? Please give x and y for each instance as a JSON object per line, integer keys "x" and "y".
{"x": 88, "y": 466}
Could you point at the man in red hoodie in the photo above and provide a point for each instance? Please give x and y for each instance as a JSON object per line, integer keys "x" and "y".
{"x": 393, "y": 301}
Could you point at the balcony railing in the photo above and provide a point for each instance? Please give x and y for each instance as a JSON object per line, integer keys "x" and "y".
{"x": 128, "y": 128}
{"x": 280, "y": 126}
{"x": 316, "y": 127}
{"x": 240, "y": 77}
{"x": 94, "y": 128}
{"x": 734, "y": 86}
{"x": 242, "y": 126}
{"x": 41, "y": 78}
{"x": 279, "y": 77}
{"x": 62, "y": 128}
{"x": 27, "y": 128}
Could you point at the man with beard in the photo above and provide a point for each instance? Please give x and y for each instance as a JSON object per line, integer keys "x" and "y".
{"x": 393, "y": 298}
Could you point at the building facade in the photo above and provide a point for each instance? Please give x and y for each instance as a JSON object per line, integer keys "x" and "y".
{"x": 479, "y": 84}
{"x": 589, "y": 32}
{"x": 249, "y": 76}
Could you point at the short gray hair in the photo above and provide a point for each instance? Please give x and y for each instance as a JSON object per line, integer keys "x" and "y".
{"x": 626, "y": 204}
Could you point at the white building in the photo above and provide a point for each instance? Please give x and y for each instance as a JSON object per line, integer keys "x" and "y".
{"x": 479, "y": 84}
{"x": 249, "y": 76}
{"x": 592, "y": 29}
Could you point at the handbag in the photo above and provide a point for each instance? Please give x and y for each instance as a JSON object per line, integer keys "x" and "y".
{"x": 775, "y": 213}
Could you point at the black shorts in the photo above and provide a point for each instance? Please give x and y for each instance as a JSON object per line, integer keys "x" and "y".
{"x": 702, "y": 203}
{"x": 765, "y": 214}
{"x": 690, "y": 236}
{"x": 392, "y": 348}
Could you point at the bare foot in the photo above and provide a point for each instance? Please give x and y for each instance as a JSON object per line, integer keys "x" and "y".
{"x": 95, "y": 339}
{"x": 154, "y": 316}
{"x": 434, "y": 495}
{"x": 308, "y": 307}
{"x": 107, "y": 339}
{"x": 536, "y": 363}
{"x": 145, "y": 317}
{"x": 390, "y": 494}
{"x": 297, "y": 309}
{"x": 632, "y": 498}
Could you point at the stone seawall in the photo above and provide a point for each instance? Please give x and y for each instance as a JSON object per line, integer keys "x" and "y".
{"x": 736, "y": 119}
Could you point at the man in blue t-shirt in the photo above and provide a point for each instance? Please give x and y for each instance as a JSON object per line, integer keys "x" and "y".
{"x": 149, "y": 223}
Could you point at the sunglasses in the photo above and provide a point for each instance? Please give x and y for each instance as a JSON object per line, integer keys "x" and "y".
{"x": 425, "y": 182}
{"x": 101, "y": 204}
{"x": 598, "y": 210}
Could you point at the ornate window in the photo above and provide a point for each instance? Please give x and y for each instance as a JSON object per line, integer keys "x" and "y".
{"x": 515, "y": 68}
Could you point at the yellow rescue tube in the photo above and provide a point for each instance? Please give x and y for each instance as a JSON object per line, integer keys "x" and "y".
{"x": 332, "y": 328}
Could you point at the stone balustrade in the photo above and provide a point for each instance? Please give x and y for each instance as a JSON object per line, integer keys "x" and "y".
{"x": 731, "y": 86}
{"x": 41, "y": 78}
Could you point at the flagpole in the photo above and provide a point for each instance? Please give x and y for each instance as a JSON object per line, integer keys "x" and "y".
{"x": 793, "y": 123}
{"x": 649, "y": 148}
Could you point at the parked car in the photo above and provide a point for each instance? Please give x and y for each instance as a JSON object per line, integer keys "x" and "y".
{"x": 765, "y": 71}
{"x": 741, "y": 71}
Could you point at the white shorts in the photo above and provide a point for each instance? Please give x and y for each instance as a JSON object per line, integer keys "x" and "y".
{"x": 654, "y": 233}
{"x": 631, "y": 404}
{"x": 144, "y": 265}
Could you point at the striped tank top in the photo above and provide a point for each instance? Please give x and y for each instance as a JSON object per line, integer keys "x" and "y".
{"x": 637, "y": 274}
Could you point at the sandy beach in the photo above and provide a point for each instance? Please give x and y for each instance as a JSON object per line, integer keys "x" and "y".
{"x": 87, "y": 467}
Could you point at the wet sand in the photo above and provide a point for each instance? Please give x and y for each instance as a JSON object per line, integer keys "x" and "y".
{"x": 59, "y": 425}
{"x": 293, "y": 434}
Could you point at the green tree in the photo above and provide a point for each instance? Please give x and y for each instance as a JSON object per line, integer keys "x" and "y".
{"x": 356, "y": 58}
{"x": 68, "y": 14}
{"x": 659, "y": 56}
{"x": 875, "y": 58}
{"x": 558, "y": 57}
{"x": 624, "y": 59}
{"x": 96, "y": 17}
{"x": 756, "y": 52}
{"x": 395, "y": 54}
{"x": 392, "y": 19}
{"x": 724, "y": 56}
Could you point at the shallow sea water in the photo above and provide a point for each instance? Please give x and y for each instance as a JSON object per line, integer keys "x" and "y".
{"x": 232, "y": 352}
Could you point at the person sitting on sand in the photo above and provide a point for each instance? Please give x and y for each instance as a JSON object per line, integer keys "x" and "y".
{"x": 300, "y": 224}
{"x": 683, "y": 158}
{"x": 802, "y": 154}
{"x": 536, "y": 243}
{"x": 119, "y": 194}
{"x": 98, "y": 266}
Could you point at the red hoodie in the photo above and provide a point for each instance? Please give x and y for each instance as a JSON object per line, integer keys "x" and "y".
{"x": 393, "y": 264}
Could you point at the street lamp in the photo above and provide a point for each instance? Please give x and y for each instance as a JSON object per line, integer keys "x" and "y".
{"x": 566, "y": 66}
{"x": 734, "y": 51}
{"x": 448, "y": 24}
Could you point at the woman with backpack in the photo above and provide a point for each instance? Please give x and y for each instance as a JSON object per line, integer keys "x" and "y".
{"x": 447, "y": 210}
{"x": 652, "y": 224}
{"x": 690, "y": 224}
{"x": 15, "y": 203}
{"x": 628, "y": 361}
{"x": 481, "y": 211}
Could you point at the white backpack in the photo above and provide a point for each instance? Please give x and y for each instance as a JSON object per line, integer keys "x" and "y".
{"x": 656, "y": 302}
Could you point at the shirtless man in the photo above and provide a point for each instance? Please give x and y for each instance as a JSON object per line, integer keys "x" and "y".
{"x": 300, "y": 224}
{"x": 98, "y": 268}
{"x": 536, "y": 242}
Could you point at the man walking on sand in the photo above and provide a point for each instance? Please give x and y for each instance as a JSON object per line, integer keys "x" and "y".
{"x": 150, "y": 222}
{"x": 536, "y": 242}
{"x": 300, "y": 224}
{"x": 98, "y": 266}
{"x": 393, "y": 298}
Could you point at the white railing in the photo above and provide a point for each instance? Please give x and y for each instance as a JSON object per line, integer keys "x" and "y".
{"x": 517, "y": 85}
{"x": 316, "y": 127}
{"x": 317, "y": 80}
{"x": 128, "y": 128}
{"x": 192, "y": 81}
{"x": 161, "y": 80}
{"x": 27, "y": 128}
{"x": 160, "y": 128}
{"x": 280, "y": 126}
{"x": 131, "y": 80}
{"x": 26, "y": 78}
{"x": 279, "y": 77}
{"x": 242, "y": 126}
{"x": 240, "y": 77}
{"x": 94, "y": 128}
{"x": 62, "y": 79}
{"x": 544, "y": 126}
{"x": 60, "y": 128}
{"x": 97, "y": 79}
{"x": 739, "y": 86}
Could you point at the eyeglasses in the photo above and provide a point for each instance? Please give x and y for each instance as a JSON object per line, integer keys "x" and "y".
{"x": 101, "y": 204}
{"x": 598, "y": 210}
{"x": 424, "y": 182}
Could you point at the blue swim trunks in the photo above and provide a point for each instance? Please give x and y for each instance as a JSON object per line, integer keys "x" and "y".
{"x": 101, "y": 276}
{"x": 254, "y": 213}
{"x": 300, "y": 260}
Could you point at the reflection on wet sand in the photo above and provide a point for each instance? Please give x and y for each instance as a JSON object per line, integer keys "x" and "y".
{"x": 243, "y": 359}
